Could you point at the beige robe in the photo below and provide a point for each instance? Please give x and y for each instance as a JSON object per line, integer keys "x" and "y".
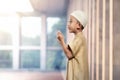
{"x": 77, "y": 67}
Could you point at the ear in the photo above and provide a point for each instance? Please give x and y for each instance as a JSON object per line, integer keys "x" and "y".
{"x": 78, "y": 27}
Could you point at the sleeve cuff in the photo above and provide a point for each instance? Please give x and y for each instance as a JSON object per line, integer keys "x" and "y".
{"x": 71, "y": 53}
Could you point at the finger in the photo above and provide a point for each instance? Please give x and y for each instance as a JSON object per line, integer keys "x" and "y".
{"x": 58, "y": 32}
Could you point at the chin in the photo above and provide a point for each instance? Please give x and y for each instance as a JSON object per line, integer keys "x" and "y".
{"x": 70, "y": 31}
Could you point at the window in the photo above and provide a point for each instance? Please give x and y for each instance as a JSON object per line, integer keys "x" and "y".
{"x": 30, "y": 31}
{"x": 8, "y": 26}
{"x": 8, "y": 32}
{"x": 5, "y": 59}
{"x": 23, "y": 45}
{"x": 55, "y": 59}
{"x": 30, "y": 59}
{"x": 30, "y": 42}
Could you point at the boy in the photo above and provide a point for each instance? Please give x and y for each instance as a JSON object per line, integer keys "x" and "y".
{"x": 76, "y": 50}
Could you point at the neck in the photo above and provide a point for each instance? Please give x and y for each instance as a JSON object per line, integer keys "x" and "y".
{"x": 78, "y": 32}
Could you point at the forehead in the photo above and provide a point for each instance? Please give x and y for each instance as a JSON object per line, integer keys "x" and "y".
{"x": 72, "y": 18}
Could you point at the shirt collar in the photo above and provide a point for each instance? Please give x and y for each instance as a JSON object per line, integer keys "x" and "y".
{"x": 78, "y": 34}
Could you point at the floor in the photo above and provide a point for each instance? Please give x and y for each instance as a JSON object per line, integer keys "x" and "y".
{"x": 22, "y": 75}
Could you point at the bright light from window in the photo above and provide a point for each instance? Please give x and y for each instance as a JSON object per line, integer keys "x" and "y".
{"x": 31, "y": 26}
{"x": 8, "y": 29}
{"x": 50, "y": 22}
{"x": 9, "y": 6}
{"x": 9, "y": 24}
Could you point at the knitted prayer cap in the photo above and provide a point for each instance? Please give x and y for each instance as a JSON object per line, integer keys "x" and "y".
{"x": 80, "y": 16}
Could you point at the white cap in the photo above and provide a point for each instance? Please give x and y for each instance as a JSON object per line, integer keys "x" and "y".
{"x": 80, "y": 16}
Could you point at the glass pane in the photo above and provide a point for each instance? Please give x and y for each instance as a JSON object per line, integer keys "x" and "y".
{"x": 5, "y": 59}
{"x": 53, "y": 25}
{"x": 30, "y": 59}
{"x": 30, "y": 31}
{"x": 8, "y": 26}
{"x": 55, "y": 60}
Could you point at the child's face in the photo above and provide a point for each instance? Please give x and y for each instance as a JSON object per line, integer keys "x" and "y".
{"x": 73, "y": 25}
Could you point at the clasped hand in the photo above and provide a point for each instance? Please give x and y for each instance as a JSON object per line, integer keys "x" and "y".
{"x": 60, "y": 36}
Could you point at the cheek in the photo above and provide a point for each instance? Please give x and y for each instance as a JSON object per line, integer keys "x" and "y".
{"x": 70, "y": 27}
